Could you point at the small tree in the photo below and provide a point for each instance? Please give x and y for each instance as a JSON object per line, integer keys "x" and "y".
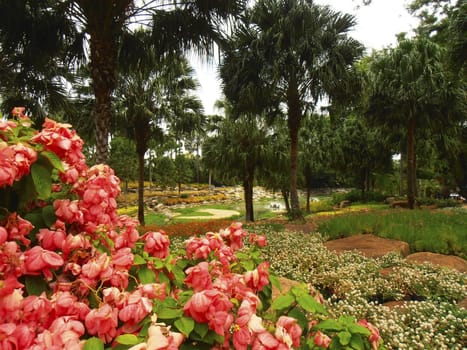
{"x": 123, "y": 160}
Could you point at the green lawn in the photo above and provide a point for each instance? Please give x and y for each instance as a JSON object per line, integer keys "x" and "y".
{"x": 441, "y": 231}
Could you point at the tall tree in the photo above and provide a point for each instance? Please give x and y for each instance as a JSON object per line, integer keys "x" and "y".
{"x": 149, "y": 94}
{"x": 411, "y": 87}
{"x": 34, "y": 50}
{"x": 238, "y": 151}
{"x": 290, "y": 53}
{"x": 183, "y": 24}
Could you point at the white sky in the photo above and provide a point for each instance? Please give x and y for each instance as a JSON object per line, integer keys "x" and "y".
{"x": 377, "y": 26}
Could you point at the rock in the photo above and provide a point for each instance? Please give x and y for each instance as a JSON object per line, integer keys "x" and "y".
{"x": 395, "y": 305}
{"x": 344, "y": 204}
{"x": 462, "y": 304}
{"x": 369, "y": 245}
{"x": 286, "y": 284}
{"x": 451, "y": 261}
{"x": 400, "y": 204}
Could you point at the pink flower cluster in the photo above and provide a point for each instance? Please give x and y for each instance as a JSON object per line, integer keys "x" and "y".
{"x": 85, "y": 255}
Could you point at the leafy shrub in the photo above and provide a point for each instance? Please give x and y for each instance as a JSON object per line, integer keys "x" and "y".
{"x": 357, "y": 196}
{"x": 440, "y": 203}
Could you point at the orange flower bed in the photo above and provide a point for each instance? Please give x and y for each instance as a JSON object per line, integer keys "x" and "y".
{"x": 189, "y": 228}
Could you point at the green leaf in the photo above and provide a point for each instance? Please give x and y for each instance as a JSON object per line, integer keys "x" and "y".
{"x": 310, "y": 304}
{"x": 300, "y": 317}
{"x": 283, "y": 302}
{"x": 344, "y": 337}
{"x": 357, "y": 329}
{"x": 139, "y": 260}
{"x": 146, "y": 275}
{"x": 357, "y": 342}
{"x": 329, "y": 325}
{"x": 48, "y": 214}
{"x": 185, "y": 325}
{"x": 201, "y": 329}
{"x": 127, "y": 339}
{"x": 54, "y": 160}
{"x": 35, "y": 285}
{"x": 167, "y": 313}
{"x": 178, "y": 273}
{"x": 41, "y": 176}
{"x": 93, "y": 344}
{"x": 275, "y": 281}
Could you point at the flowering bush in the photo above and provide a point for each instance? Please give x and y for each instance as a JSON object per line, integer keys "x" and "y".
{"x": 75, "y": 275}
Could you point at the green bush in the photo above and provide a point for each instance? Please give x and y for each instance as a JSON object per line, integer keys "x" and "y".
{"x": 358, "y": 196}
{"x": 440, "y": 203}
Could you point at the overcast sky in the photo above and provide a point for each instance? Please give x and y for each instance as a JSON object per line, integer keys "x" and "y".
{"x": 377, "y": 26}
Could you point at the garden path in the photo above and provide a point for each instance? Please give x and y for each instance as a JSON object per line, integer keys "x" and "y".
{"x": 214, "y": 214}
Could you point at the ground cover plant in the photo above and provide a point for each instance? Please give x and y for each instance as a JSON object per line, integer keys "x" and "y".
{"x": 439, "y": 231}
{"x": 352, "y": 284}
{"x": 76, "y": 275}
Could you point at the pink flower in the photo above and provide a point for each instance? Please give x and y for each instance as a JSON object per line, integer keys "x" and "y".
{"x": 37, "y": 309}
{"x": 122, "y": 259}
{"x": 246, "y": 326}
{"x": 157, "y": 244}
{"x": 10, "y": 306}
{"x": 61, "y": 140}
{"x": 66, "y": 332}
{"x": 75, "y": 244}
{"x": 135, "y": 309}
{"x": 210, "y": 306}
{"x": 103, "y": 322}
{"x": 154, "y": 290}
{"x": 25, "y": 335}
{"x": 322, "y": 339}
{"x": 197, "y": 248}
{"x": 18, "y": 228}
{"x": 3, "y": 235}
{"x": 8, "y": 341}
{"x": 258, "y": 278}
{"x": 288, "y": 331}
{"x": 129, "y": 234}
{"x": 374, "y": 337}
{"x": 94, "y": 267}
{"x": 39, "y": 260}
{"x": 266, "y": 341}
{"x": 198, "y": 277}
{"x": 234, "y": 235}
{"x": 160, "y": 338}
{"x": 65, "y": 303}
{"x": 51, "y": 240}
{"x": 259, "y": 240}
{"x": 68, "y": 211}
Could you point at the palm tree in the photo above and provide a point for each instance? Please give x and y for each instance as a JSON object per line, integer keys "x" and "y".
{"x": 411, "y": 87}
{"x": 152, "y": 92}
{"x": 182, "y": 24}
{"x": 33, "y": 49}
{"x": 289, "y": 53}
{"x": 237, "y": 150}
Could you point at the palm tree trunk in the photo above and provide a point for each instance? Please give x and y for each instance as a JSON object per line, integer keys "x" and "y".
{"x": 285, "y": 196}
{"x": 248, "y": 194}
{"x": 104, "y": 24}
{"x": 411, "y": 162}
{"x": 141, "y": 188}
{"x": 293, "y": 123}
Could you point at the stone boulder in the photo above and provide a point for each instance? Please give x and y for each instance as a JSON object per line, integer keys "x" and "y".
{"x": 369, "y": 245}
{"x": 450, "y": 261}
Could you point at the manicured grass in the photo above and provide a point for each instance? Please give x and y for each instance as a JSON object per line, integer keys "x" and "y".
{"x": 440, "y": 231}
